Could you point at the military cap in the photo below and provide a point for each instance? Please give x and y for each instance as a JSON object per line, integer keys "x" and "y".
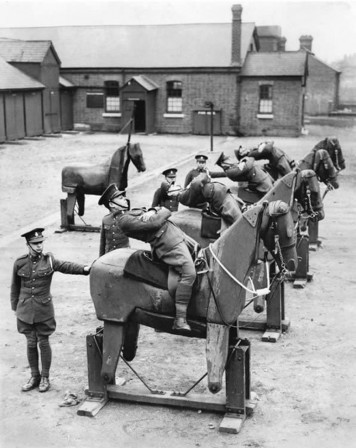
{"x": 171, "y": 172}
{"x": 201, "y": 158}
{"x": 111, "y": 192}
{"x": 34, "y": 235}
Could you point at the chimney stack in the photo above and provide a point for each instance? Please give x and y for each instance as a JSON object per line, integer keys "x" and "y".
{"x": 236, "y": 35}
{"x": 306, "y": 42}
{"x": 282, "y": 44}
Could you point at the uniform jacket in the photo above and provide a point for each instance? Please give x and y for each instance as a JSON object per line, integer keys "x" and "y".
{"x": 161, "y": 198}
{"x": 191, "y": 175}
{"x": 257, "y": 178}
{"x": 111, "y": 235}
{"x": 31, "y": 282}
{"x": 218, "y": 197}
{"x": 159, "y": 231}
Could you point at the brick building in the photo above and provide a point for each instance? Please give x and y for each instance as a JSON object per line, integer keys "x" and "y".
{"x": 174, "y": 78}
{"x": 322, "y": 87}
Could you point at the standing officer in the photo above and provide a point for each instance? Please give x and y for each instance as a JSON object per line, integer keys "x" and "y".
{"x": 167, "y": 194}
{"x": 31, "y": 299}
{"x": 201, "y": 160}
{"x": 111, "y": 235}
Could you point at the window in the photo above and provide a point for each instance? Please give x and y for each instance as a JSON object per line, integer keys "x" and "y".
{"x": 95, "y": 100}
{"x": 265, "y": 106}
{"x": 174, "y": 97}
{"x": 112, "y": 96}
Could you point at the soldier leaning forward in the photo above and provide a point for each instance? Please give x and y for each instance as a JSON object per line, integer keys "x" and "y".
{"x": 31, "y": 299}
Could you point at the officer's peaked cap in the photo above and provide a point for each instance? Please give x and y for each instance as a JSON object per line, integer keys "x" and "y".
{"x": 111, "y": 192}
{"x": 34, "y": 235}
{"x": 170, "y": 172}
{"x": 201, "y": 158}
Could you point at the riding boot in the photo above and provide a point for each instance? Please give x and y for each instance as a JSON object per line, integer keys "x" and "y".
{"x": 183, "y": 295}
{"x": 222, "y": 161}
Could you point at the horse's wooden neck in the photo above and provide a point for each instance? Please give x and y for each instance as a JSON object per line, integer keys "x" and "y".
{"x": 119, "y": 167}
{"x": 282, "y": 189}
{"x": 236, "y": 251}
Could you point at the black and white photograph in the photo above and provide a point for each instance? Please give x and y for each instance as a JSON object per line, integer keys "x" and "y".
{"x": 178, "y": 230}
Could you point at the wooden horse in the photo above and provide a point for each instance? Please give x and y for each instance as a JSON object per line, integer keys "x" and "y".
{"x": 80, "y": 180}
{"x": 123, "y": 302}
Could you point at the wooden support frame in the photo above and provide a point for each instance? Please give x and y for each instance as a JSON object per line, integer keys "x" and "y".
{"x": 236, "y": 404}
{"x": 68, "y": 224}
{"x": 314, "y": 241}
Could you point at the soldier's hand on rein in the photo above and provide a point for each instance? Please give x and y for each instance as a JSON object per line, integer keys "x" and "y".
{"x": 146, "y": 216}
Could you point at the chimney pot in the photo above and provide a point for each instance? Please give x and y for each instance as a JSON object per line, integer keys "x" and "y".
{"x": 306, "y": 42}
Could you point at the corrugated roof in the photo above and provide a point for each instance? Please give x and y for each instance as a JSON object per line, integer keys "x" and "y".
{"x": 24, "y": 51}
{"x": 284, "y": 63}
{"x": 13, "y": 79}
{"x": 182, "y": 45}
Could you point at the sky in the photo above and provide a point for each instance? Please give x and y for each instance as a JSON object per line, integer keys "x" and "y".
{"x": 331, "y": 23}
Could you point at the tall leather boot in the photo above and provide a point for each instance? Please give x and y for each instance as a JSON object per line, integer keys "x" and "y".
{"x": 183, "y": 295}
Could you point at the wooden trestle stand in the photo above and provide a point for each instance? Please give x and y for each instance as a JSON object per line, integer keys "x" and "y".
{"x": 236, "y": 403}
{"x": 69, "y": 224}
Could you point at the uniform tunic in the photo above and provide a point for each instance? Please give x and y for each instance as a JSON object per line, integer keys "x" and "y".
{"x": 217, "y": 195}
{"x": 161, "y": 198}
{"x": 254, "y": 175}
{"x": 31, "y": 282}
{"x": 168, "y": 242}
{"x": 111, "y": 235}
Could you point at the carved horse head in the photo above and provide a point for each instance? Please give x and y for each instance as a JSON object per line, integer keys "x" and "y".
{"x": 320, "y": 161}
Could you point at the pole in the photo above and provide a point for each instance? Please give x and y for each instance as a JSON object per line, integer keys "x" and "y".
{"x": 211, "y": 126}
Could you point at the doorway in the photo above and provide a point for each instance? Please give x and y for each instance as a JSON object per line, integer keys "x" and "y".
{"x": 140, "y": 116}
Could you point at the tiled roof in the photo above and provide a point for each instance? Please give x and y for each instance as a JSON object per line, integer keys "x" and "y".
{"x": 182, "y": 45}
{"x": 24, "y": 51}
{"x": 284, "y": 63}
{"x": 13, "y": 79}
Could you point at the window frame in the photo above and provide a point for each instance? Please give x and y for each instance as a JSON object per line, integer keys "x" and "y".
{"x": 265, "y": 99}
{"x": 174, "y": 91}
{"x": 109, "y": 87}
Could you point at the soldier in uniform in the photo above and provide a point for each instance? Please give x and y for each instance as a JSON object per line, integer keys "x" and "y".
{"x": 245, "y": 170}
{"x": 168, "y": 243}
{"x": 216, "y": 195}
{"x": 279, "y": 163}
{"x": 201, "y": 160}
{"x": 167, "y": 194}
{"x": 111, "y": 235}
{"x": 31, "y": 300}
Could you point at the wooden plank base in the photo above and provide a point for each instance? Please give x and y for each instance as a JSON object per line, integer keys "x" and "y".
{"x": 91, "y": 406}
{"x": 261, "y": 325}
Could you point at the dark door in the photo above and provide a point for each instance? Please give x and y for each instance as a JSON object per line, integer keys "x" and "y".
{"x": 140, "y": 116}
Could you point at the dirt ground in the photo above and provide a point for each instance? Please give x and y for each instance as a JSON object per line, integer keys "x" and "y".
{"x": 305, "y": 382}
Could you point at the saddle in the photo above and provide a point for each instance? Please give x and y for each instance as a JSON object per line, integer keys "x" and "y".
{"x": 142, "y": 266}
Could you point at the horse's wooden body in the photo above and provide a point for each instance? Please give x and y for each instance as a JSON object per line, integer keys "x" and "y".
{"x": 85, "y": 179}
{"x": 117, "y": 298}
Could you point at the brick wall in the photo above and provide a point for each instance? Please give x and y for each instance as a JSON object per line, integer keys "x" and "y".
{"x": 220, "y": 88}
{"x": 321, "y": 89}
{"x": 287, "y": 108}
